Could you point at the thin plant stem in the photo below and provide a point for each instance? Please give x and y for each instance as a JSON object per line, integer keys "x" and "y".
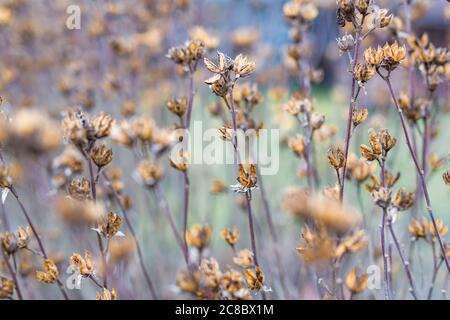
{"x": 94, "y": 198}
{"x": 405, "y": 263}
{"x": 433, "y": 281}
{"x": 387, "y": 287}
{"x": 186, "y": 205}
{"x": 13, "y": 274}
{"x": 36, "y": 235}
{"x": 130, "y": 227}
{"x": 354, "y": 93}
{"x": 420, "y": 171}
{"x": 191, "y": 98}
{"x": 162, "y": 201}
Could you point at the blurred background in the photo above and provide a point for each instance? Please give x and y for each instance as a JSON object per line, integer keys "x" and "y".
{"x": 117, "y": 58}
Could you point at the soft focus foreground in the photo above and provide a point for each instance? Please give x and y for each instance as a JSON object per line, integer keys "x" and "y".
{"x": 101, "y": 199}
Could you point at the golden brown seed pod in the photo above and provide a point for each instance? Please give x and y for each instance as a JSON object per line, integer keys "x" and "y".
{"x": 80, "y": 189}
{"x": 387, "y": 141}
{"x": 255, "y": 279}
{"x": 297, "y": 145}
{"x": 84, "y": 266}
{"x": 336, "y": 157}
{"x": 231, "y": 237}
{"x": 242, "y": 66}
{"x": 8, "y": 242}
{"x": 364, "y": 72}
{"x": 374, "y": 56}
{"x": 367, "y": 152}
{"x": 110, "y": 225}
{"x": 443, "y": 229}
{"x": 393, "y": 55}
{"x": 317, "y": 120}
{"x": 403, "y": 200}
{"x": 23, "y": 236}
{"x": 188, "y": 281}
{"x": 149, "y": 172}
{"x": 102, "y": 124}
{"x": 106, "y": 295}
{"x": 178, "y": 106}
{"x": 244, "y": 258}
{"x": 6, "y": 288}
{"x": 417, "y": 229}
{"x": 355, "y": 243}
{"x": 6, "y": 179}
{"x": 382, "y": 197}
{"x": 199, "y": 236}
{"x": 226, "y": 133}
{"x": 101, "y": 155}
{"x": 143, "y": 128}
{"x": 359, "y": 115}
{"x": 355, "y": 283}
{"x": 51, "y": 273}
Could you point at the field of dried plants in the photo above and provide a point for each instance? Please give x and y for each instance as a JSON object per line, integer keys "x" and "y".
{"x": 224, "y": 149}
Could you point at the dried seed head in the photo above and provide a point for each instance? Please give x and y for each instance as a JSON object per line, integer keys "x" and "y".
{"x": 149, "y": 172}
{"x": 80, "y": 189}
{"x": 51, "y": 273}
{"x": 367, "y": 152}
{"x": 101, "y": 155}
{"x": 6, "y": 288}
{"x": 387, "y": 141}
{"x": 178, "y": 106}
{"x": 364, "y": 72}
{"x": 8, "y": 242}
{"x": 345, "y": 43}
{"x": 355, "y": 283}
{"x": 244, "y": 258}
{"x": 143, "y": 128}
{"x": 336, "y": 157}
{"x": 297, "y": 145}
{"x": 231, "y": 237}
{"x": 226, "y": 133}
{"x": 403, "y": 200}
{"x": 6, "y": 179}
{"x": 106, "y": 295}
{"x": 362, "y": 6}
{"x": 23, "y": 236}
{"x": 417, "y": 229}
{"x": 355, "y": 243}
{"x": 443, "y": 229}
{"x": 242, "y": 66}
{"x": 374, "y": 56}
{"x": 317, "y": 120}
{"x": 188, "y": 281}
{"x": 255, "y": 279}
{"x": 110, "y": 225}
{"x": 84, "y": 266}
{"x": 199, "y": 236}
{"x": 102, "y": 124}
{"x": 359, "y": 116}
{"x": 382, "y": 197}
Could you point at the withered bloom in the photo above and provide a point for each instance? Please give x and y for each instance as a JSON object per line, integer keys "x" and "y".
{"x": 51, "y": 273}
{"x": 102, "y": 123}
{"x": 84, "y": 266}
{"x": 178, "y": 106}
{"x": 244, "y": 258}
{"x": 6, "y": 288}
{"x": 149, "y": 172}
{"x": 247, "y": 178}
{"x": 403, "y": 200}
{"x": 101, "y": 155}
{"x": 336, "y": 157}
{"x": 356, "y": 283}
{"x": 106, "y": 295}
{"x": 255, "y": 279}
{"x": 110, "y": 226}
{"x": 80, "y": 189}
{"x": 198, "y": 236}
{"x": 359, "y": 116}
{"x": 418, "y": 229}
{"x": 364, "y": 72}
{"x": 231, "y": 237}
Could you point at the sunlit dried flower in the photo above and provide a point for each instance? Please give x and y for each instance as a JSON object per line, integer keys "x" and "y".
{"x": 364, "y": 72}
{"x": 403, "y": 200}
{"x": 51, "y": 273}
{"x": 417, "y": 229}
{"x": 374, "y": 56}
{"x": 336, "y": 157}
{"x": 247, "y": 178}
{"x": 8, "y": 242}
{"x": 143, "y": 128}
{"x": 435, "y": 162}
{"x": 242, "y": 66}
{"x": 231, "y": 237}
{"x": 443, "y": 229}
{"x": 387, "y": 141}
{"x": 6, "y": 288}
{"x": 23, "y": 236}
{"x": 110, "y": 226}
{"x": 188, "y": 54}
{"x": 356, "y": 283}
{"x": 244, "y": 258}
{"x": 382, "y": 197}
{"x": 84, "y": 266}
{"x": 393, "y": 55}
{"x": 359, "y": 116}
{"x": 297, "y": 145}
{"x": 106, "y": 295}
{"x": 355, "y": 243}
{"x": 188, "y": 281}
{"x": 255, "y": 279}
{"x": 149, "y": 172}
{"x": 318, "y": 248}
{"x": 101, "y": 155}
{"x": 316, "y": 120}
{"x": 446, "y": 177}
{"x": 6, "y": 179}
{"x": 178, "y": 106}
{"x": 102, "y": 125}
{"x": 199, "y": 236}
